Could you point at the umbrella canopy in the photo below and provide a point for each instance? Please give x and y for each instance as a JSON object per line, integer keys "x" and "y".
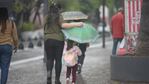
{"x": 74, "y": 15}
{"x": 85, "y": 34}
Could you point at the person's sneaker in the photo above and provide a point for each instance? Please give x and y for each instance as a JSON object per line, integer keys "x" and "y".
{"x": 57, "y": 82}
{"x": 49, "y": 81}
{"x": 67, "y": 80}
{"x": 73, "y": 83}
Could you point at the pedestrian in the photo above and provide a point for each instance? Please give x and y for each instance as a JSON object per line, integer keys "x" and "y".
{"x": 72, "y": 46}
{"x": 117, "y": 29}
{"x": 54, "y": 41}
{"x": 83, "y": 47}
{"x": 8, "y": 42}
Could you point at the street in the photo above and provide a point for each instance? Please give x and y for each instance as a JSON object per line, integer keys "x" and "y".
{"x": 27, "y": 66}
{"x": 26, "y": 24}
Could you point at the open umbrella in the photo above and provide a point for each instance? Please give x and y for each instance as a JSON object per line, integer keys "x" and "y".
{"x": 74, "y": 15}
{"x": 84, "y": 34}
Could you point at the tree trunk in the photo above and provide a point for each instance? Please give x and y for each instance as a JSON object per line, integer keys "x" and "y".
{"x": 142, "y": 48}
{"x": 27, "y": 15}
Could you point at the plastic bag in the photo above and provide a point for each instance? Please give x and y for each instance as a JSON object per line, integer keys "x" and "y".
{"x": 122, "y": 50}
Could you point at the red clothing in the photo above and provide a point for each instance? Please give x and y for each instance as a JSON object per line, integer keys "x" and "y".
{"x": 117, "y": 25}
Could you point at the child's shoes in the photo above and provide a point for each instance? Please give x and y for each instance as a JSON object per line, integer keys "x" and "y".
{"x": 73, "y": 83}
{"x": 67, "y": 80}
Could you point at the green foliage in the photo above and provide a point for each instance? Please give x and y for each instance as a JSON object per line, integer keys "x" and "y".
{"x": 17, "y": 6}
{"x": 95, "y": 3}
{"x": 22, "y": 9}
{"x": 79, "y": 5}
{"x": 27, "y": 26}
{"x": 111, "y": 5}
{"x": 23, "y": 5}
{"x": 75, "y": 5}
{"x": 28, "y": 4}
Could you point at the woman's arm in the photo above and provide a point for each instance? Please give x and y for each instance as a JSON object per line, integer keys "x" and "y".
{"x": 65, "y": 24}
{"x": 72, "y": 24}
{"x": 15, "y": 35}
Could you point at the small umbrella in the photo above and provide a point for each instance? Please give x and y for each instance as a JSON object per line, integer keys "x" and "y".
{"x": 84, "y": 34}
{"x": 74, "y": 15}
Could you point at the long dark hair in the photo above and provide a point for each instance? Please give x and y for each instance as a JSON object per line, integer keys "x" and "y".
{"x": 54, "y": 15}
{"x": 3, "y": 19}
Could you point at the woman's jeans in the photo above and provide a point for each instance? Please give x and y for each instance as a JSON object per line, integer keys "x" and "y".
{"x": 115, "y": 43}
{"x": 5, "y": 58}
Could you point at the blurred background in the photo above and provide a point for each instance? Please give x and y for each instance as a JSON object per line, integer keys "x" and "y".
{"x": 30, "y": 15}
{"x": 27, "y": 65}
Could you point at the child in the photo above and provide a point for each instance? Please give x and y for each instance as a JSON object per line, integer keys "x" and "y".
{"x": 72, "y": 46}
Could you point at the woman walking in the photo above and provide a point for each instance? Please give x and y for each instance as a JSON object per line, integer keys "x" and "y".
{"x": 8, "y": 41}
{"x": 54, "y": 42}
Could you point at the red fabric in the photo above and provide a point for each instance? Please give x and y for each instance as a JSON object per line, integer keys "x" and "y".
{"x": 117, "y": 25}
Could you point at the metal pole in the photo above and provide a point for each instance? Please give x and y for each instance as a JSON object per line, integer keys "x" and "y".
{"x": 103, "y": 20}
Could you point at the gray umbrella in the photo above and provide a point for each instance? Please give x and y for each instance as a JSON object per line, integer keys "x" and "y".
{"x": 74, "y": 15}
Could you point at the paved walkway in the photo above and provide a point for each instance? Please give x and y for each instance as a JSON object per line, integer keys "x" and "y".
{"x": 96, "y": 69}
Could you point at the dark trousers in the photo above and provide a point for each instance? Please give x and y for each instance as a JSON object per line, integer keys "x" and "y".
{"x": 5, "y": 58}
{"x": 115, "y": 43}
{"x": 81, "y": 58}
{"x": 54, "y": 51}
{"x": 72, "y": 70}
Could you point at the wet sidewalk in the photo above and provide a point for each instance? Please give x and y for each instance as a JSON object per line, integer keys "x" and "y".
{"x": 96, "y": 69}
